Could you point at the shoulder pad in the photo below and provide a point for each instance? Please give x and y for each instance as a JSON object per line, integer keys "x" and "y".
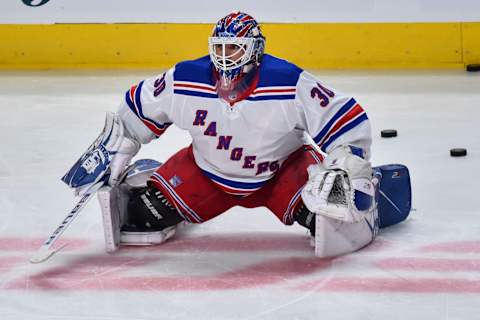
{"x": 278, "y": 72}
{"x": 199, "y": 70}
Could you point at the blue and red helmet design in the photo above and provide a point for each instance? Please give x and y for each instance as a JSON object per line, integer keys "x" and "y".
{"x": 237, "y": 24}
{"x": 241, "y": 31}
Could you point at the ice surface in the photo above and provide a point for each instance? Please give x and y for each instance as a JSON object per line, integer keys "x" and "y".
{"x": 244, "y": 264}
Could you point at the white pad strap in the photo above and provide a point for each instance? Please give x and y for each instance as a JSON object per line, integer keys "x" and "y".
{"x": 146, "y": 238}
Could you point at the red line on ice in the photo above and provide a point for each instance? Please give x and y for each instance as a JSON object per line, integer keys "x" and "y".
{"x": 454, "y": 247}
{"x": 80, "y": 273}
{"x": 235, "y": 242}
{"x": 30, "y": 244}
{"x": 105, "y": 274}
{"x": 411, "y": 285}
{"x": 7, "y": 263}
{"x": 429, "y": 264}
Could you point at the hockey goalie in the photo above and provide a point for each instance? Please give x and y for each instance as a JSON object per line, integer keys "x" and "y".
{"x": 264, "y": 133}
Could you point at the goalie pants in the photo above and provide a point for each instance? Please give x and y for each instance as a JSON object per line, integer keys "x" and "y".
{"x": 199, "y": 199}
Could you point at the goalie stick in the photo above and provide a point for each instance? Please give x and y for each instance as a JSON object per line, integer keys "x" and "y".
{"x": 45, "y": 251}
{"x": 91, "y": 172}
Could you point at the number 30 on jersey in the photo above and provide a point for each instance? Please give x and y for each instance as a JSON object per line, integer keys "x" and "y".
{"x": 323, "y": 94}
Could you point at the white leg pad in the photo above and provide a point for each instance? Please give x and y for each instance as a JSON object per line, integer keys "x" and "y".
{"x": 113, "y": 202}
{"x": 334, "y": 237}
{"x": 109, "y": 204}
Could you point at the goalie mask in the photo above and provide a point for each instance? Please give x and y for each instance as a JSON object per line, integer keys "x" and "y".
{"x": 236, "y": 47}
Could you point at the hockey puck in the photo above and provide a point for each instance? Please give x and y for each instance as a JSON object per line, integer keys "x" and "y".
{"x": 473, "y": 67}
{"x": 388, "y": 133}
{"x": 458, "y": 152}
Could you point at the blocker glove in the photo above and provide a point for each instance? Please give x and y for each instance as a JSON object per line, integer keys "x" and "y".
{"x": 105, "y": 159}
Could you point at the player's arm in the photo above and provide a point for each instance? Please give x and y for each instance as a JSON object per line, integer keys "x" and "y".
{"x": 340, "y": 127}
{"x": 146, "y": 107}
{"x": 144, "y": 114}
{"x": 141, "y": 117}
{"x": 332, "y": 118}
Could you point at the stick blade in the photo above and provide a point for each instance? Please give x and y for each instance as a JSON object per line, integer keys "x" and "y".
{"x": 43, "y": 254}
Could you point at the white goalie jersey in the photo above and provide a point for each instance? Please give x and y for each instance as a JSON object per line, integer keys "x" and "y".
{"x": 241, "y": 147}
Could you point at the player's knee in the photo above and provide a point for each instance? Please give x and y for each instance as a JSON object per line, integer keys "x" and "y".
{"x": 149, "y": 210}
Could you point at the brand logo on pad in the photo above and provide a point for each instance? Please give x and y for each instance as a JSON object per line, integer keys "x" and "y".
{"x": 92, "y": 162}
{"x": 175, "y": 181}
{"x": 34, "y": 3}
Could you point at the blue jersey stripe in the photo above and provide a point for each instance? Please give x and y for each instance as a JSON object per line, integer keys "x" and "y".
{"x": 346, "y": 128}
{"x": 130, "y": 102}
{"x": 277, "y": 97}
{"x": 235, "y": 184}
{"x": 195, "y": 93}
{"x": 330, "y": 123}
{"x": 138, "y": 103}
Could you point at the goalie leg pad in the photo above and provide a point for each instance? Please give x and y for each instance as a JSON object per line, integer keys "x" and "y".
{"x": 332, "y": 237}
{"x": 394, "y": 194}
{"x": 113, "y": 212}
{"x": 149, "y": 210}
{"x": 335, "y": 237}
{"x": 114, "y": 204}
